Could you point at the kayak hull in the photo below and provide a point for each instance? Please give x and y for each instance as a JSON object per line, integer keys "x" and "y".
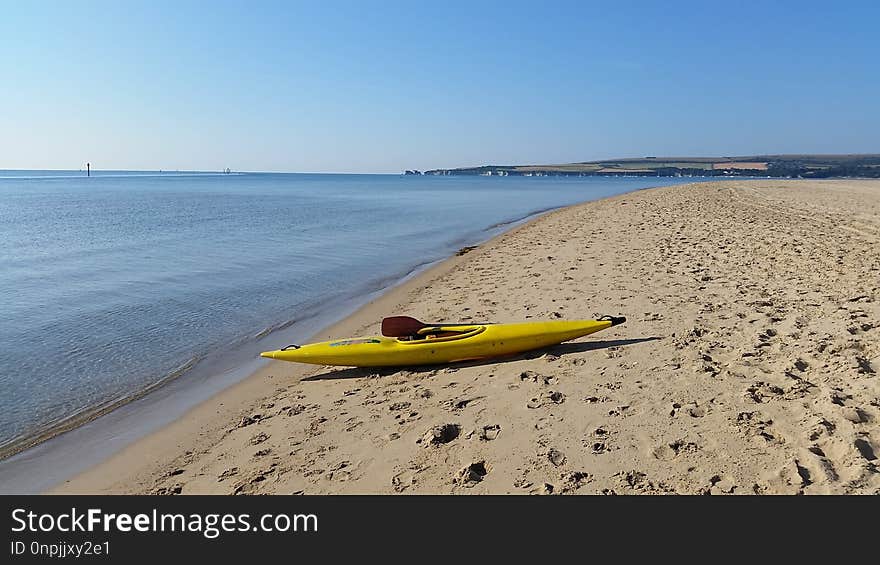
{"x": 469, "y": 343}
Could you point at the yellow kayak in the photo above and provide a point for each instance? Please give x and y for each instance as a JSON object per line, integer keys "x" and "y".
{"x": 442, "y": 343}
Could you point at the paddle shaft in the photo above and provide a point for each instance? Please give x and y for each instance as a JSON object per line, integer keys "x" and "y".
{"x": 402, "y": 326}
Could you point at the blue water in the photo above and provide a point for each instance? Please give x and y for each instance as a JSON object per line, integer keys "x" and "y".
{"x": 111, "y": 283}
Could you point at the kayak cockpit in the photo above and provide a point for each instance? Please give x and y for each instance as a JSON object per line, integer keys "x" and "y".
{"x": 434, "y": 334}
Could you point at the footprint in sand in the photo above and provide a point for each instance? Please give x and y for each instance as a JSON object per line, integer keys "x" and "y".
{"x": 638, "y": 481}
{"x": 822, "y": 428}
{"x": 259, "y": 438}
{"x": 574, "y": 480}
{"x": 462, "y": 403}
{"x": 598, "y": 444}
{"x": 339, "y": 471}
{"x": 544, "y": 489}
{"x": 550, "y": 397}
{"x": 294, "y": 410}
{"x": 174, "y": 489}
{"x": 556, "y": 457}
{"x": 820, "y": 463}
{"x": 403, "y": 480}
{"x": 532, "y": 376}
{"x": 440, "y": 435}
{"x": 855, "y": 415}
{"x": 248, "y": 420}
{"x": 762, "y": 392}
{"x": 314, "y": 426}
{"x": 670, "y": 451}
{"x": 490, "y": 433}
{"x": 252, "y": 484}
{"x": 865, "y": 449}
{"x": 596, "y": 399}
{"x": 863, "y": 366}
{"x": 721, "y": 485}
{"x": 472, "y": 474}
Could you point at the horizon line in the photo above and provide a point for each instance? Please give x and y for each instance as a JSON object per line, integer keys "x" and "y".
{"x": 485, "y": 164}
{"x": 212, "y": 171}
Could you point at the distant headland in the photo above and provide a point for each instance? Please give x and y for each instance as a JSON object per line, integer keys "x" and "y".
{"x": 791, "y": 166}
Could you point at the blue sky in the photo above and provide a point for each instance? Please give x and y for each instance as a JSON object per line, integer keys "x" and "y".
{"x": 383, "y": 86}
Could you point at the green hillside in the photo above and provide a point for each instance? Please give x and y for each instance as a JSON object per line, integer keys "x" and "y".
{"x": 797, "y": 166}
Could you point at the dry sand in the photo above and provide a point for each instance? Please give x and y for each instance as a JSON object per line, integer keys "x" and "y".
{"x": 748, "y": 364}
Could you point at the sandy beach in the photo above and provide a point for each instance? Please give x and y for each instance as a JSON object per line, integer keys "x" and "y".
{"x": 748, "y": 364}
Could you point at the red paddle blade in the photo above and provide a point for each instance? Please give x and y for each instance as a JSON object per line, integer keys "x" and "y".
{"x": 401, "y": 326}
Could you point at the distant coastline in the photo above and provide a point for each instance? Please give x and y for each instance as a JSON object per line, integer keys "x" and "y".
{"x": 782, "y": 166}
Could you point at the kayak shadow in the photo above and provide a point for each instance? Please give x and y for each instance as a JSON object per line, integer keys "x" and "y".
{"x": 558, "y": 350}
{"x": 580, "y": 347}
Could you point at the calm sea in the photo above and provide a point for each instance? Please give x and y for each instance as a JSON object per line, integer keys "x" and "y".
{"x": 112, "y": 283}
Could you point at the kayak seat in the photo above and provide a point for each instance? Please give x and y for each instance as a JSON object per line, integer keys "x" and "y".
{"x": 442, "y": 333}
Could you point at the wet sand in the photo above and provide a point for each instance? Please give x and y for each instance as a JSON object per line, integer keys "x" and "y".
{"x": 748, "y": 364}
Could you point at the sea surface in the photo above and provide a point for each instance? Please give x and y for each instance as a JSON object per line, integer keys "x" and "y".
{"x": 113, "y": 284}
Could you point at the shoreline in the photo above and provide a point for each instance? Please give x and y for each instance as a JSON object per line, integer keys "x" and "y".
{"x": 227, "y": 373}
{"x": 738, "y": 371}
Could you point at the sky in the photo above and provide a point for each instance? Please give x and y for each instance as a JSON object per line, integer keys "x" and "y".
{"x": 379, "y": 87}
